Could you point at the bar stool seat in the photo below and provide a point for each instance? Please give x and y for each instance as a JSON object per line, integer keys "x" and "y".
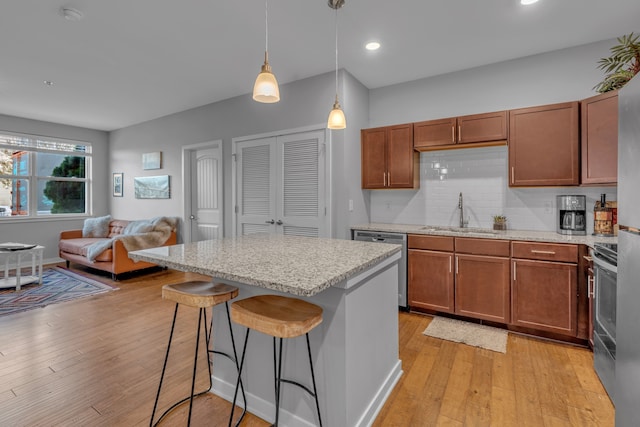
{"x": 280, "y": 317}
{"x": 201, "y": 295}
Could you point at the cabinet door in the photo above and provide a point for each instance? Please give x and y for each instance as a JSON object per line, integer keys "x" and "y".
{"x": 600, "y": 139}
{"x": 373, "y": 152}
{"x": 482, "y": 127}
{"x": 431, "y": 280}
{"x": 401, "y": 164}
{"x": 483, "y": 287}
{"x": 544, "y": 296}
{"x": 543, "y": 146}
{"x": 434, "y": 132}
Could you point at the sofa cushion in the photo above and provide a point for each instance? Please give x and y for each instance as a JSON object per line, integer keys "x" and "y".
{"x": 117, "y": 226}
{"x": 79, "y": 247}
{"x": 96, "y": 227}
{"x": 137, "y": 227}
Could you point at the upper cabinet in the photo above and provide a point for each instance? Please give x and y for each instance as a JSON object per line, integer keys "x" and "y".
{"x": 544, "y": 146}
{"x": 388, "y": 158}
{"x": 478, "y": 129}
{"x": 600, "y": 139}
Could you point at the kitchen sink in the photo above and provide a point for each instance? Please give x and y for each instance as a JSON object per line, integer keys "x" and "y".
{"x": 465, "y": 230}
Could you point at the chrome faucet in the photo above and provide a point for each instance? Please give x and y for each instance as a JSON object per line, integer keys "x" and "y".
{"x": 461, "y": 207}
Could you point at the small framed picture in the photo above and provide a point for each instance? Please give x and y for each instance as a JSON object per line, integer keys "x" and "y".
{"x": 152, "y": 160}
{"x": 117, "y": 184}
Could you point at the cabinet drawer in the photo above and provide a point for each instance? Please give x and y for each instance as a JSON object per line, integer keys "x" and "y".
{"x": 545, "y": 251}
{"x": 482, "y": 247}
{"x": 433, "y": 243}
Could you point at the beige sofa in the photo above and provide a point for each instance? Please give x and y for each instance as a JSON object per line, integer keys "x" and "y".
{"x": 73, "y": 247}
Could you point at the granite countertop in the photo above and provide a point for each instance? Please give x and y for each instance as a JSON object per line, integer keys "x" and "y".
{"x": 526, "y": 235}
{"x": 296, "y": 265}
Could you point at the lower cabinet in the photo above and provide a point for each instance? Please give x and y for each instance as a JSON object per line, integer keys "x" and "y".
{"x": 430, "y": 268}
{"x": 483, "y": 288}
{"x": 544, "y": 293}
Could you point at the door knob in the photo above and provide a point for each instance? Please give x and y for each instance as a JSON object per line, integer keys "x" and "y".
{"x": 279, "y": 222}
{"x": 192, "y": 217}
{"x": 269, "y": 222}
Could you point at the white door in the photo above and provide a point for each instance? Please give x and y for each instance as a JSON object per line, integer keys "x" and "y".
{"x": 280, "y": 185}
{"x": 255, "y": 186}
{"x": 203, "y": 192}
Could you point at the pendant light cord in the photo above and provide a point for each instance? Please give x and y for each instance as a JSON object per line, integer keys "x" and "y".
{"x": 266, "y": 28}
{"x": 336, "y": 22}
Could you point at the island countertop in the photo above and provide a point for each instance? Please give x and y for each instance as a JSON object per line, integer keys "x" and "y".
{"x": 296, "y": 265}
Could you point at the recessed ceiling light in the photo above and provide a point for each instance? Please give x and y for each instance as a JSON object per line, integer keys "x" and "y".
{"x": 48, "y": 82}
{"x": 372, "y": 46}
{"x": 71, "y": 14}
{"x": 528, "y": 2}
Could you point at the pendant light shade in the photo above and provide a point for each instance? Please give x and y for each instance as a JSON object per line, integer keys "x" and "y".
{"x": 336, "y": 119}
{"x": 266, "y": 88}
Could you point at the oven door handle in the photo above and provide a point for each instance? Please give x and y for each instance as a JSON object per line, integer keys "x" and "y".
{"x": 599, "y": 262}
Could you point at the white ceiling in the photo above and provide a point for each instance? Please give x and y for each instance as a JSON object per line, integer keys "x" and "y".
{"x": 129, "y": 61}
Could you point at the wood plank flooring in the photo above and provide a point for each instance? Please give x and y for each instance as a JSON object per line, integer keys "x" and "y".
{"x": 96, "y": 362}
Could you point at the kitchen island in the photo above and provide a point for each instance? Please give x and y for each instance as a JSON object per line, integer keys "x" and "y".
{"x": 355, "y": 349}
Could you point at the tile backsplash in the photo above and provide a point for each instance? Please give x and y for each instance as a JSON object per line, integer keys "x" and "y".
{"x": 480, "y": 174}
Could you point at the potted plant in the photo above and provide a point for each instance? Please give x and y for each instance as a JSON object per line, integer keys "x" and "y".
{"x": 622, "y": 65}
{"x": 499, "y": 222}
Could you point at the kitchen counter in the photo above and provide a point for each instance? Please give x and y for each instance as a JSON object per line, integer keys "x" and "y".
{"x": 302, "y": 266}
{"x": 355, "y": 348}
{"x": 485, "y": 233}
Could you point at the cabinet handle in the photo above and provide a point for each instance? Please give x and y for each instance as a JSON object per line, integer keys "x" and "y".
{"x": 535, "y": 251}
{"x": 389, "y": 179}
{"x": 591, "y": 286}
{"x": 514, "y": 271}
{"x": 456, "y": 266}
{"x": 453, "y": 134}
{"x": 384, "y": 178}
{"x": 459, "y": 133}
{"x": 450, "y": 263}
{"x": 513, "y": 181}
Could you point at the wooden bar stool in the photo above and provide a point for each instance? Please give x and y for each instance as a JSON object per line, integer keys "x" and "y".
{"x": 202, "y": 295}
{"x": 281, "y": 317}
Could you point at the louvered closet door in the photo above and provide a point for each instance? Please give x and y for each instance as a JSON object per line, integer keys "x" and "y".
{"x": 301, "y": 189}
{"x": 256, "y": 186}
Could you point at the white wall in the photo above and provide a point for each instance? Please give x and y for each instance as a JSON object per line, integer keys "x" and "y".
{"x": 46, "y": 231}
{"x": 303, "y": 103}
{"x": 481, "y": 174}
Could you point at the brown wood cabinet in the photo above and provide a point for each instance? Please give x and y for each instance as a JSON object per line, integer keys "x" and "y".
{"x": 544, "y": 293}
{"x": 454, "y": 132}
{"x": 599, "y": 139}
{"x": 430, "y": 271}
{"x": 544, "y": 146}
{"x": 388, "y": 158}
{"x": 482, "y": 282}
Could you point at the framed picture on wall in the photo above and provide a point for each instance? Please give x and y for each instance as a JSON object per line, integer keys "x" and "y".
{"x": 117, "y": 184}
{"x": 152, "y": 160}
{"x": 152, "y": 187}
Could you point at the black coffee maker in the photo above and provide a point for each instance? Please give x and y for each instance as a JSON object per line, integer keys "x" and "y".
{"x": 572, "y": 215}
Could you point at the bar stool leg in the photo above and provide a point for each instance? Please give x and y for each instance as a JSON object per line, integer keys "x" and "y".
{"x": 235, "y": 393}
{"x": 195, "y": 364}
{"x": 313, "y": 380}
{"x": 164, "y": 366}
{"x": 277, "y": 377}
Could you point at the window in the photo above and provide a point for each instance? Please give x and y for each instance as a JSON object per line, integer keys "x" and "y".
{"x": 43, "y": 177}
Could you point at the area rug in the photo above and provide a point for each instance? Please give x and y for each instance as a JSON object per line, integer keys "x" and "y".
{"x": 468, "y": 333}
{"x": 58, "y": 285}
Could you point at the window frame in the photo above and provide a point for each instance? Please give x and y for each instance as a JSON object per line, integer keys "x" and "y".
{"x": 35, "y": 144}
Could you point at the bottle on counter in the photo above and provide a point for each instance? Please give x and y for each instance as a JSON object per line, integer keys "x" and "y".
{"x": 602, "y": 218}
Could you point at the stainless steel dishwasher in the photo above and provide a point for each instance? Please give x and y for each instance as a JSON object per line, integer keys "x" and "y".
{"x": 396, "y": 238}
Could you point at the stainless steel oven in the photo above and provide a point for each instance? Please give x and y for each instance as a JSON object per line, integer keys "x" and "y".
{"x": 605, "y": 270}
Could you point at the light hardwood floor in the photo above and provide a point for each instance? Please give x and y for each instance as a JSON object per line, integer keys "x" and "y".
{"x": 96, "y": 362}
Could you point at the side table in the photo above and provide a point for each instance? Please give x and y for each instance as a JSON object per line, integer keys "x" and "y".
{"x": 16, "y": 252}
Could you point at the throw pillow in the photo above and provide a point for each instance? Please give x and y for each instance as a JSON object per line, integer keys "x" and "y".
{"x": 96, "y": 227}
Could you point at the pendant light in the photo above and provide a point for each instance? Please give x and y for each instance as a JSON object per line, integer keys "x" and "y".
{"x": 336, "y": 116}
{"x": 266, "y": 88}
